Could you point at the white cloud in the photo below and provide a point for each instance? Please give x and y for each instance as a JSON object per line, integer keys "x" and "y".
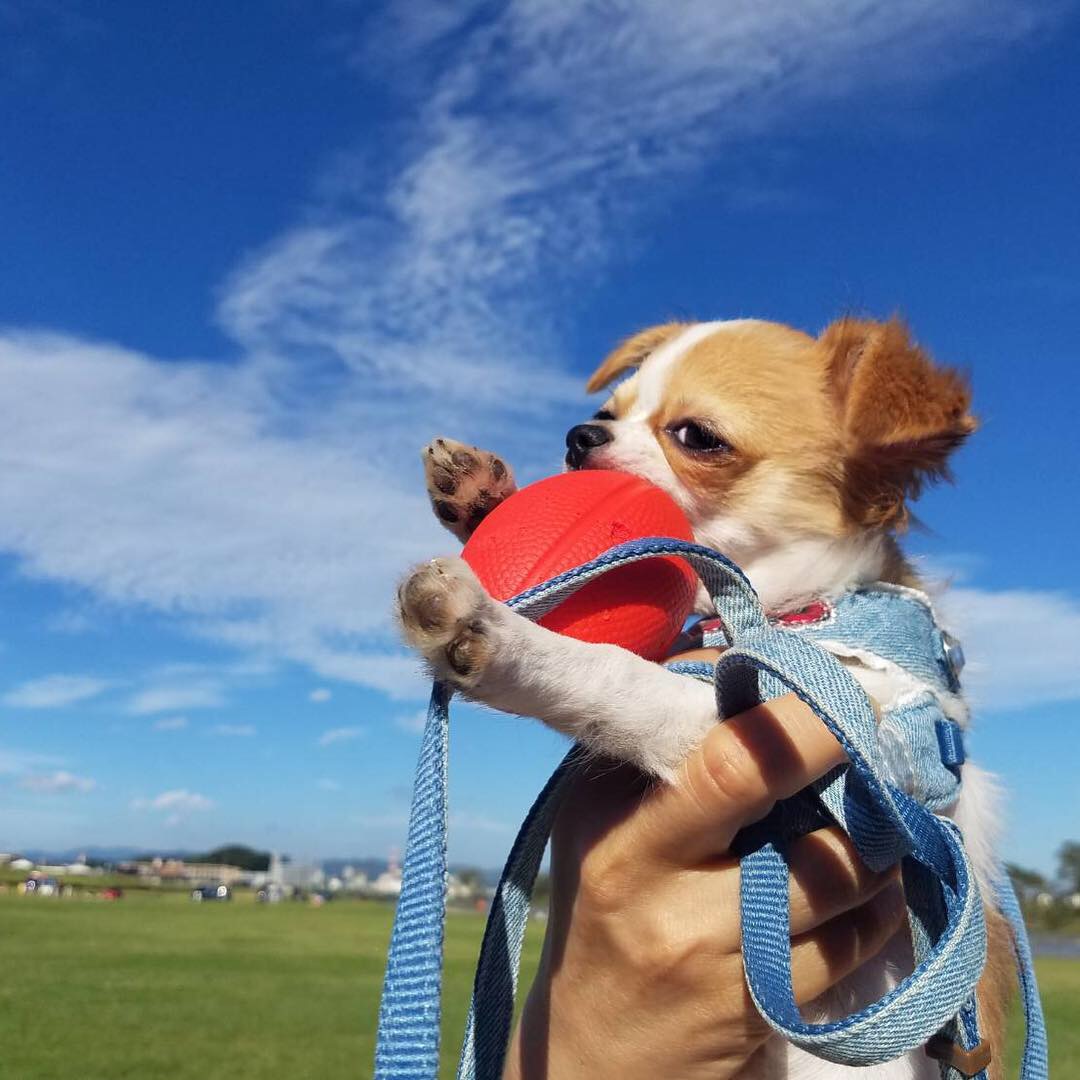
{"x": 55, "y": 691}
{"x": 470, "y": 821}
{"x": 236, "y": 731}
{"x": 413, "y": 723}
{"x": 326, "y": 784}
{"x": 57, "y": 783}
{"x": 171, "y": 723}
{"x": 341, "y": 734}
{"x": 1022, "y": 646}
{"x": 320, "y": 695}
{"x": 177, "y": 801}
{"x": 14, "y": 762}
{"x": 270, "y": 502}
{"x": 158, "y": 699}
{"x": 72, "y": 622}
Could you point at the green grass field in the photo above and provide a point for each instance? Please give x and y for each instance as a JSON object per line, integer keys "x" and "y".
{"x": 155, "y": 986}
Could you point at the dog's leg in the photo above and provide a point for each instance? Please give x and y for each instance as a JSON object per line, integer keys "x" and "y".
{"x": 608, "y": 698}
{"x": 465, "y": 484}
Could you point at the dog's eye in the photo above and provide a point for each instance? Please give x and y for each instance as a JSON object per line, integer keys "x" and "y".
{"x": 604, "y": 414}
{"x": 691, "y": 435}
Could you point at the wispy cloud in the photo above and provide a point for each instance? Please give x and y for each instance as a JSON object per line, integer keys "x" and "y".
{"x": 469, "y": 821}
{"x": 1021, "y": 646}
{"x": 55, "y": 691}
{"x": 171, "y": 723}
{"x": 338, "y": 735}
{"x": 326, "y": 784}
{"x": 412, "y": 722}
{"x": 176, "y": 801}
{"x": 234, "y": 731}
{"x": 320, "y": 695}
{"x": 159, "y": 699}
{"x": 270, "y": 502}
{"x": 57, "y": 783}
{"x": 14, "y": 762}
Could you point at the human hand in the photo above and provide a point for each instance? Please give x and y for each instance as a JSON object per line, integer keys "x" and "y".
{"x": 641, "y": 974}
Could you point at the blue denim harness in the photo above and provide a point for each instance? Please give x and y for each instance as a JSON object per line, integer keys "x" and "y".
{"x": 899, "y": 773}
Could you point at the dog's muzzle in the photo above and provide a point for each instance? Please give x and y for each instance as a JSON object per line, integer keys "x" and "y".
{"x": 582, "y": 438}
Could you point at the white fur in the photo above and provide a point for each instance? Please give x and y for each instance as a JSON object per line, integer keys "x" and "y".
{"x": 601, "y": 695}
{"x": 788, "y": 575}
{"x": 605, "y": 697}
{"x": 634, "y": 449}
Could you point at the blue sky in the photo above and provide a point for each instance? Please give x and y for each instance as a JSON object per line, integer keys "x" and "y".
{"x": 254, "y": 256}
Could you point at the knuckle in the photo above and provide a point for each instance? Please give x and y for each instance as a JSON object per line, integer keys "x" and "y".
{"x": 651, "y": 946}
{"x": 729, "y": 770}
{"x": 603, "y": 883}
{"x": 669, "y": 958}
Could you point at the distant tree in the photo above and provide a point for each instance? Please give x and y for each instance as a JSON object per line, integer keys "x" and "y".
{"x": 541, "y": 890}
{"x": 238, "y": 855}
{"x": 471, "y": 878}
{"x": 1027, "y": 883}
{"x": 1069, "y": 865}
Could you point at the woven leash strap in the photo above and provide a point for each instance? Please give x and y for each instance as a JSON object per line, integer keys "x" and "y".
{"x": 886, "y": 826}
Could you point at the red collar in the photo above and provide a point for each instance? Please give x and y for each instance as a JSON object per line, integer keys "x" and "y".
{"x": 815, "y": 612}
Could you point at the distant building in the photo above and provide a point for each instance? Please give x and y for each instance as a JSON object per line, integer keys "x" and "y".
{"x": 388, "y": 883}
{"x": 294, "y": 876}
{"x": 198, "y": 873}
{"x": 461, "y": 889}
{"x": 355, "y": 880}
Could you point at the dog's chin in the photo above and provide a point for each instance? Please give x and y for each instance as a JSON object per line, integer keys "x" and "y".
{"x": 590, "y": 464}
{"x": 636, "y": 464}
{"x": 647, "y": 463}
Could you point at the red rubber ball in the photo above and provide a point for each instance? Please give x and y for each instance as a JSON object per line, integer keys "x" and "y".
{"x": 564, "y": 521}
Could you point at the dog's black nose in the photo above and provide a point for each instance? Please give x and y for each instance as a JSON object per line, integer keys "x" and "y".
{"x": 583, "y": 438}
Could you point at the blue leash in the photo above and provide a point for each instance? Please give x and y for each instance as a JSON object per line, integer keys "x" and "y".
{"x": 935, "y": 1003}
{"x": 407, "y": 1045}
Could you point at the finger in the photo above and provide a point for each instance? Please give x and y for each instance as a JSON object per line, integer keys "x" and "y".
{"x": 822, "y": 957}
{"x": 743, "y": 767}
{"x": 828, "y": 878}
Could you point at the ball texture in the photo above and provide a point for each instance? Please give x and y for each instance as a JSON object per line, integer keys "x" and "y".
{"x": 566, "y": 520}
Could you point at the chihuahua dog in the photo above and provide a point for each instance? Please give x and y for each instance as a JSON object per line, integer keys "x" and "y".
{"x": 797, "y": 457}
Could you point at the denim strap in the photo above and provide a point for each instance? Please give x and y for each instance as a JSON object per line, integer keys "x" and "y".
{"x": 1034, "y": 1064}
{"x": 407, "y": 1044}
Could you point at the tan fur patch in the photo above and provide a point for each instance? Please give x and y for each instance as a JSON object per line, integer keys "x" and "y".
{"x": 997, "y": 987}
{"x": 902, "y": 416}
{"x": 829, "y": 436}
{"x": 759, "y": 386}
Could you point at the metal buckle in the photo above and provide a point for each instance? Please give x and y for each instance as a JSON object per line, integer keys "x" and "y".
{"x": 966, "y": 1062}
{"x": 954, "y": 653}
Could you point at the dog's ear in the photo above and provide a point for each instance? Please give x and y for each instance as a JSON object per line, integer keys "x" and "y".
{"x": 631, "y": 353}
{"x": 901, "y": 414}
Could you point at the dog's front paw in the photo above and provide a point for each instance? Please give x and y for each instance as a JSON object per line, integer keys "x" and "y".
{"x": 450, "y": 619}
{"x": 465, "y": 484}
